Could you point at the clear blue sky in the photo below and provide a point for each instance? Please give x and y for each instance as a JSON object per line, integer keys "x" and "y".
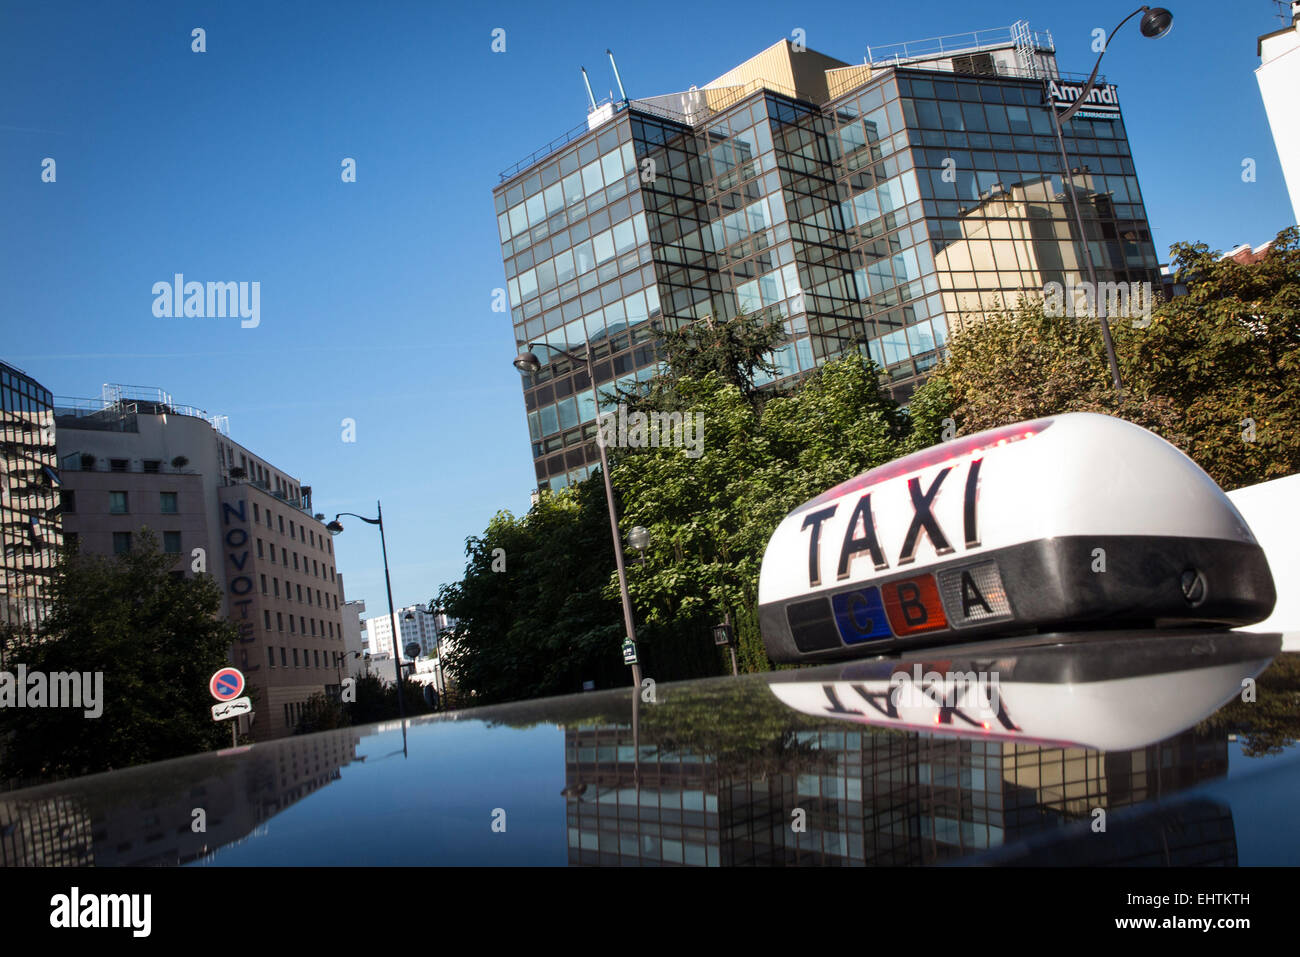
{"x": 375, "y": 296}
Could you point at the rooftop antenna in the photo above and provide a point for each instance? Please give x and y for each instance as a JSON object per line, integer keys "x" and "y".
{"x": 590, "y": 96}
{"x": 617, "y": 78}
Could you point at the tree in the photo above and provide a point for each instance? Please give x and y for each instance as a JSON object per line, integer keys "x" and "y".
{"x": 737, "y": 350}
{"x": 155, "y": 639}
{"x": 710, "y": 517}
{"x": 1227, "y": 355}
{"x": 321, "y": 713}
{"x": 1021, "y": 364}
{"x": 532, "y": 614}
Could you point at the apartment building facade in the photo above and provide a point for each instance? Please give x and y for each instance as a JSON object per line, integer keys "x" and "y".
{"x": 135, "y": 460}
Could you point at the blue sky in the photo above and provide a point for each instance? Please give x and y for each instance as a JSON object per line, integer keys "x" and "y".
{"x": 376, "y": 295}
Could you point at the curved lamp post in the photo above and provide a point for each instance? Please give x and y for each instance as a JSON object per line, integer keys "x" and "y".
{"x": 528, "y": 362}
{"x": 334, "y": 528}
{"x": 1156, "y": 22}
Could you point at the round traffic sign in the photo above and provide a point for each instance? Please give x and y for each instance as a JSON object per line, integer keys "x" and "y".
{"x": 227, "y": 684}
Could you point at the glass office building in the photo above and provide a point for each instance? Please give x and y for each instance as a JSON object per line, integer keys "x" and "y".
{"x": 874, "y": 207}
{"x": 29, "y": 498}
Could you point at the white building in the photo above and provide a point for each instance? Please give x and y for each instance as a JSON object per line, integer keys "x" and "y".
{"x": 353, "y": 636}
{"x": 1279, "y": 80}
{"x": 415, "y": 625}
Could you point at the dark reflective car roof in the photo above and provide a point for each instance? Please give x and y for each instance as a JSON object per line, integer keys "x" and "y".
{"x": 1148, "y": 733}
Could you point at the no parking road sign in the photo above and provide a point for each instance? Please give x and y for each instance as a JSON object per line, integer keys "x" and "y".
{"x": 227, "y": 684}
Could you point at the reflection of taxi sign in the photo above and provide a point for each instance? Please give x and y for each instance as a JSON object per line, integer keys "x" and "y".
{"x": 227, "y": 684}
{"x": 1061, "y": 521}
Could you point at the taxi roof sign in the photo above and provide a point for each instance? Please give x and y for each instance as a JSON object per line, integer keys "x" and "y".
{"x": 1078, "y": 518}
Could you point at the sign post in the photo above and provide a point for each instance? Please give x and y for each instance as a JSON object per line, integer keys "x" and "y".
{"x": 226, "y": 685}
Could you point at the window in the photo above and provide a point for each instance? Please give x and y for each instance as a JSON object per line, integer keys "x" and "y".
{"x": 281, "y": 524}
{"x": 302, "y": 621}
{"x": 293, "y": 627}
{"x": 315, "y": 657}
{"x": 284, "y": 557}
{"x": 315, "y": 569}
{"x": 295, "y": 561}
{"x": 256, "y": 516}
{"x": 300, "y": 593}
{"x": 264, "y": 591}
{"x": 259, "y": 548}
{"x": 291, "y": 532}
{"x": 295, "y": 657}
{"x": 121, "y": 543}
{"x": 118, "y": 465}
{"x": 152, "y": 465}
{"x": 275, "y": 584}
{"x": 68, "y": 499}
{"x": 266, "y": 620}
{"x": 283, "y": 661}
{"x": 167, "y": 503}
{"x": 172, "y": 543}
{"x": 279, "y": 626}
{"x": 117, "y": 503}
{"x": 270, "y": 654}
{"x": 269, "y": 518}
{"x": 313, "y": 627}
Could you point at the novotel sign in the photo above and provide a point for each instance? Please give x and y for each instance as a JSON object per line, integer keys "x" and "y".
{"x": 1102, "y": 102}
{"x": 1078, "y": 518}
{"x": 239, "y": 577}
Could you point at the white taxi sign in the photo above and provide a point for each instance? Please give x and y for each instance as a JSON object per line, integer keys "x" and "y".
{"x": 1074, "y": 518}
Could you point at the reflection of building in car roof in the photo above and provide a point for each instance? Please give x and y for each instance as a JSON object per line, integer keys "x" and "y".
{"x": 101, "y": 827}
{"x": 877, "y": 798}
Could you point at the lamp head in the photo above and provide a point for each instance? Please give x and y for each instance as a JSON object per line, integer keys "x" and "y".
{"x": 1156, "y": 22}
{"x": 334, "y": 527}
{"x": 528, "y": 362}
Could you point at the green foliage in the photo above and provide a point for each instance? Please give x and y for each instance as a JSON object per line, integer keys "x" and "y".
{"x": 321, "y": 713}
{"x": 156, "y": 639}
{"x": 1271, "y": 723}
{"x": 1023, "y": 364}
{"x": 544, "y": 625}
{"x": 736, "y": 350}
{"x": 1227, "y": 352}
{"x": 710, "y": 517}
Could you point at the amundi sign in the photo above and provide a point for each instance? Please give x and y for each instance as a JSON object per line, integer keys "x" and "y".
{"x": 1102, "y": 102}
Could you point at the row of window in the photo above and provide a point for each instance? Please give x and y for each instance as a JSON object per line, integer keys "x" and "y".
{"x": 300, "y": 532}
{"x": 122, "y": 542}
{"x": 321, "y": 600}
{"x": 326, "y": 628}
{"x": 259, "y": 473}
{"x": 317, "y": 659}
{"x": 119, "y": 503}
{"x": 267, "y": 550}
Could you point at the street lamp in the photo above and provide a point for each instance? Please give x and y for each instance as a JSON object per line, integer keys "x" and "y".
{"x": 1156, "y": 22}
{"x": 437, "y": 648}
{"x": 639, "y": 538}
{"x": 334, "y": 528}
{"x": 528, "y": 362}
